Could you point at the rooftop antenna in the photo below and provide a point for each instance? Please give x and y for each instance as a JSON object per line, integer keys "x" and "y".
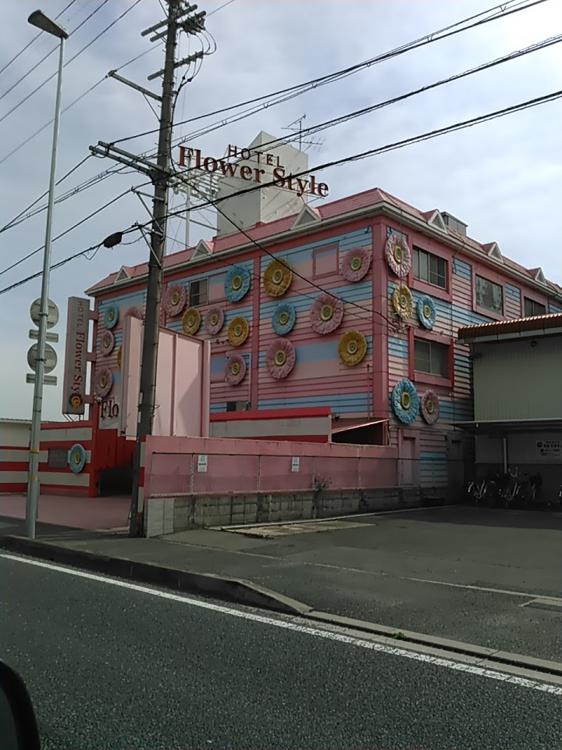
{"x": 296, "y": 127}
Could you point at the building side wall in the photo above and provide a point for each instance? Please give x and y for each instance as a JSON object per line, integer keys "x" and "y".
{"x": 504, "y": 372}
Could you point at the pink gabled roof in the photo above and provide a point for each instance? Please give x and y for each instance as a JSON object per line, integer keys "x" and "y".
{"x": 339, "y": 207}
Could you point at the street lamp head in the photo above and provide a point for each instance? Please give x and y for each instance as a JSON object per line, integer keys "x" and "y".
{"x": 41, "y": 21}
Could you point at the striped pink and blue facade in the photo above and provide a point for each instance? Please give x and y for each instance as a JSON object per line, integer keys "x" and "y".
{"x": 314, "y": 250}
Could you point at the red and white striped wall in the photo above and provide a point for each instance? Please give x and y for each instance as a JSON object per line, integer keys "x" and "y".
{"x": 60, "y": 480}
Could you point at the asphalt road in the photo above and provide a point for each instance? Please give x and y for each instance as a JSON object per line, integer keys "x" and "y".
{"x": 123, "y": 667}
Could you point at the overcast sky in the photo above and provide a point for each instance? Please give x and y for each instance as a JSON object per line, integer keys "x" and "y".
{"x": 503, "y": 178}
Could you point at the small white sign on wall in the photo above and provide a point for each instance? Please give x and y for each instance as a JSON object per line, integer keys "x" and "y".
{"x": 202, "y": 463}
{"x": 296, "y": 463}
{"x": 550, "y": 448}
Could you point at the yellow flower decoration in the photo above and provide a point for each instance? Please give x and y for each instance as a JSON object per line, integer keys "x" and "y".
{"x": 191, "y": 321}
{"x": 402, "y": 302}
{"x": 277, "y": 278}
{"x": 352, "y": 348}
{"x": 238, "y": 331}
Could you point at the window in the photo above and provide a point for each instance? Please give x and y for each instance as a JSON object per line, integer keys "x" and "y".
{"x": 534, "y": 308}
{"x": 489, "y": 295}
{"x": 237, "y": 405}
{"x": 198, "y": 293}
{"x": 430, "y": 268}
{"x": 431, "y": 357}
{"x": 57, "y": 458}
{"x": 325, "y": 261}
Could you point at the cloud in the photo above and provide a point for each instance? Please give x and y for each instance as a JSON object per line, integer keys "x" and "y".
{"x": 502, "y": 178}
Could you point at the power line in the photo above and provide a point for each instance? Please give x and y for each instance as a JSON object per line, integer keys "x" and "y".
{"x": 431, "y": 38}
{"x": 48, "y": 54}
{"x": 537, "y": 46}
{"x": 28, "y": 45}
{"x": 338, "y": 120}
{"x": 83, "y": 49}
{"x": 461, "y": 125}
{"x": 337, "y": 162}
{"x": 67, "y": 231}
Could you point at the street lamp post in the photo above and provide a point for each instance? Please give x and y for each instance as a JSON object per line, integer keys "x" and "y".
{"x": 41, "y": 21}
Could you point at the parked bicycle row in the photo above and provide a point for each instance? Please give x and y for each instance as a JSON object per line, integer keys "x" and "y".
{"x": 512, "y": 490}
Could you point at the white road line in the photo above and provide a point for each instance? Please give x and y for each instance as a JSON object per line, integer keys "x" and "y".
{"x": 509, "y": 592}
{"x": 471, "y": 669}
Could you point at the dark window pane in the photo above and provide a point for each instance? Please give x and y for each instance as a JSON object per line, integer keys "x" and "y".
{"x": 489, "y": 295}
{"x": 430, "y": 268}
{"x": 533, "y": 308}
{"x": 421, "y": 356}
{"x": 198, "y": 293}
{"x": 431, "y": 357}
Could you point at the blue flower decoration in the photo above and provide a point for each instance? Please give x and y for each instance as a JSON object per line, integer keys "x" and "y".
{"x": 111, "y": 316}
{"x": 76, "y": 458}
{"x": 426, "y": 312}
{"x": 237, "y": 283}
{"x": 405, "y": 401}
{"x": 284, "y": 318}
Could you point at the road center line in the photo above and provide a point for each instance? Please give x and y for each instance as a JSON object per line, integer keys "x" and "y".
{"x": 298, "y": 628}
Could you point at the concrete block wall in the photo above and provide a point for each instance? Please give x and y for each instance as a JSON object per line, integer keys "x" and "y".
{"x": 165, "y": 515}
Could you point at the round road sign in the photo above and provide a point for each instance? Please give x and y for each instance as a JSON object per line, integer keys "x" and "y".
{"x": 52, "y": 314}
{"x": 50, "y": 357}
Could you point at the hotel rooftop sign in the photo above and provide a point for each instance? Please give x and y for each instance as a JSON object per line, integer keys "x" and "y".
{"x": 274, "y": 171}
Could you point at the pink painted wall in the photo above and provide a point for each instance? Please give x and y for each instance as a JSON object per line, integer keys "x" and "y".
{"x": 171, "y": 465}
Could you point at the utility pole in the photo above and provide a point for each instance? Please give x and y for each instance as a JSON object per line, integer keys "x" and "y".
{"x": 179, "y": 17}
{"x": 157, "y": 241}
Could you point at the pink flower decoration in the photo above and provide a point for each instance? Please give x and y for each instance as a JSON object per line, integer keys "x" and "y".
{"x": 175, "y": 300}
{"x": 104, "y": 382}
{"x": 235, "y": 370}
{"x": 326, "y": 314}
{"x": 355, "y": 264}
{"x": 280, "y": 358}
{"x": 398, "y": 255}
{"x": 107, "y": 343}
{"x": 214, "y": 320}
{"x": 429, "y": 407}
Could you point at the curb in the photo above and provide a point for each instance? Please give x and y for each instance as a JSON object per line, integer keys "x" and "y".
{"x": 240, "y": 591}
{"x": 235, "y": 590}
{"x": 496, "y": 656}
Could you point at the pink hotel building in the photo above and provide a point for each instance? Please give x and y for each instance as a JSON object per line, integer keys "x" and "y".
{"x": 348, "y": 309}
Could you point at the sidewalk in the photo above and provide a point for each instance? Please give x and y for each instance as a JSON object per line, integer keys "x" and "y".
{"x": 92, "y": 513}
{"x": 456, "y": 573}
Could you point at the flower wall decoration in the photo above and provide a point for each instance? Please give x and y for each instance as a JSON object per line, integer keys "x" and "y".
{"x": 355, "y": 264}
{"x": 76, "y": 458}
{"x": 235, "y": 370}
{"x": 175, "y": 300}
{"x": 191, "y": 321}
{"x": 326, "y": 314}
{"x": 111, "y": 316}
{"x": 405, "y": 401}
{"x": 277, "y": 278}
{"x": 238, "y": 331}
{"x": 352, "y": 348}
{"x": 426, "y": 311}
{"x": 237, "y": 283}
{"x": 107, "y": 343}
{"x": 214, "y": 320}
{"x": 284, "y": 318}
{"x": 104, "y": 382}
{"x": 398, "y": 255}
{"x": 429, "y": 407}
{"x": 402, "y": 302}
{"x": 280, "y": 359}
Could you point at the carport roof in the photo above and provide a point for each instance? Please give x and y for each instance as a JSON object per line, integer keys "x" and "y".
{"x": 537, "y": 325}
{"x": 502, "y": 426}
